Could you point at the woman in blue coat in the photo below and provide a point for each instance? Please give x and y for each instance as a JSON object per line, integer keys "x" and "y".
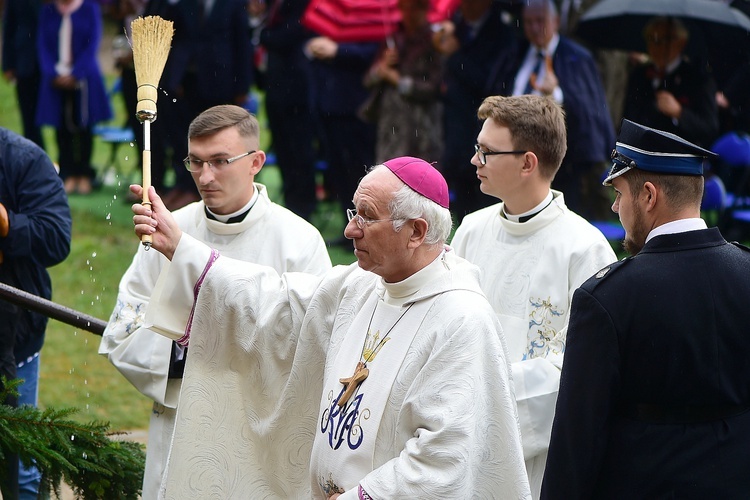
{"x": 72, "y": 96}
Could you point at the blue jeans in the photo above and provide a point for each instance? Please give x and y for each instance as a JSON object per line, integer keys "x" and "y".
{"x": 28, "y": 478}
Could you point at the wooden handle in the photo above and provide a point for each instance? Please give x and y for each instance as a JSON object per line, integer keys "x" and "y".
{"x": 146, "y": 238}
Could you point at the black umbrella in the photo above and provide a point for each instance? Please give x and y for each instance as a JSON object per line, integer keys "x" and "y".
{"x": 719, "y": 34}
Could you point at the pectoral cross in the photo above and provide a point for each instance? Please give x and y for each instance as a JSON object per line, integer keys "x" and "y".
{"x": 360, "y": 374}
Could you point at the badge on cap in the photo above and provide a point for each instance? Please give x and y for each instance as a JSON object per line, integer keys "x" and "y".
{"x": 655, "y": 151}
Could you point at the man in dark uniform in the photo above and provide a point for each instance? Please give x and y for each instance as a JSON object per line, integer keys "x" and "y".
{"x": 655, "y": 389}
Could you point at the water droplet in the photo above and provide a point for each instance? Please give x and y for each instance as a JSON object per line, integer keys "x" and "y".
{"x": 109, "y": 216}
{"x": 126, "y": 158}
{"x": 72, "y": 438}
{"x": 85, "y": 456}
{"x": 93, "y": 254}
{"x": 174, "y": 100}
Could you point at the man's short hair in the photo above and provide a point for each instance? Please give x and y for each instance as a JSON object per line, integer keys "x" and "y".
{"x": 681, "y": 191}
{"x": 218, "y": 118}
{"x": 536, "y": 123}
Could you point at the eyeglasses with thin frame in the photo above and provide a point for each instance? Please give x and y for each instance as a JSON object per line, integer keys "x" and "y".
{"x": 360, "y": 221}
{"x": 484, "y": 154}
{"x": 195, "y": 165}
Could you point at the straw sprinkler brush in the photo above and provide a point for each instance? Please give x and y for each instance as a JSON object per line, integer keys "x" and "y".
{"x": 151, "y": 41}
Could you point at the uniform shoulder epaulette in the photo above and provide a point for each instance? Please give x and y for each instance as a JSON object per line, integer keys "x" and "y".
{"x": 740, "y": 245}
{"x": 605, "y": 272}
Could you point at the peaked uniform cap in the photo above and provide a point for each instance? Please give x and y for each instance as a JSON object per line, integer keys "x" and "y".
{"x": 655, "y": 151}
{"x": 421, "y": 177}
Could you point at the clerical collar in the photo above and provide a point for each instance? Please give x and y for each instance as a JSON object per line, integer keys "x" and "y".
{"x": 678, "y": 226}
{"x": 237, "y": 216}
{"x": 527, "y": 216}
{"x": 398, "y": 293}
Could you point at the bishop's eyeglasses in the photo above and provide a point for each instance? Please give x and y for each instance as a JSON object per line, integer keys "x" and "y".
{"x": 360, "y": 221}
{"x": 484, "y": 154}
{"x": 195, "y": 165}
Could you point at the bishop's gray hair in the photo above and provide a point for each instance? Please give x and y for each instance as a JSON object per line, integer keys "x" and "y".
{"x": 407, "y": 204}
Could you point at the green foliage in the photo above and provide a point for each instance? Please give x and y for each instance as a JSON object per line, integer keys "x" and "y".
{"x": 83, "y": 455}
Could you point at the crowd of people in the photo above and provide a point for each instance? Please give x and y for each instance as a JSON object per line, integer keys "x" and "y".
{"x": 432, "y": 367}
{"x": 346, "y": 105}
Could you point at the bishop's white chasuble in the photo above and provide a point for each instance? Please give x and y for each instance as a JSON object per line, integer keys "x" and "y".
{"x": 379, "y": 336}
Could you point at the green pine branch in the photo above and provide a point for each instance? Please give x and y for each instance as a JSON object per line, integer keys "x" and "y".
{"x": 81, "y": 454}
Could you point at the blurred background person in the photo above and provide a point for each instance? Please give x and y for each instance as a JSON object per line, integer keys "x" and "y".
{"x": 405, "y": 83}
{"x": 473, "y": 42}
{"x": 670, "y": 93}
{"x": 286, "y": 82}
{"x": 72, "y": 95}
{"x": 733, "y": 102}
{"x": 124, "y": 12}
{"x": 337, "y": 93}
{"x": 20, "y": 61}
{"x": 613, "y": 64}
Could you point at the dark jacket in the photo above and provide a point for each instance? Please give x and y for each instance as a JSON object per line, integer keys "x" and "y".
{"x": 87, "y": 34}
{"x": 695, "y": 91}
{"x": 656, "y": 382}
{"x": 216, "y": 51}
{"x": 288, "y": 73}
{"x": 39, "y": 234}
{"x": 466, "y": 82}
{"x": 20, "y": 20}
{"x": 337, "y": 88}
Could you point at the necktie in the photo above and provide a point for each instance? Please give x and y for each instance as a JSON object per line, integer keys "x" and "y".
{"x": 535, "y": 73}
